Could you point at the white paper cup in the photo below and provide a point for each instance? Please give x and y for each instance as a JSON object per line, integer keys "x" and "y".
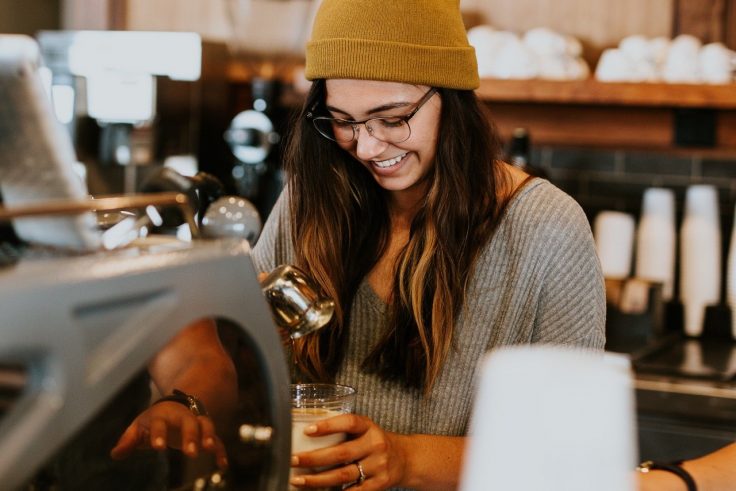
{"x": 552, "y": 419}
{"x": 700, "y": 256}
{"x": 614, "y": 243}
{"x": 731, "y": 278}
{"x": 656, "y": 238}
{"x": 311, "y": 403}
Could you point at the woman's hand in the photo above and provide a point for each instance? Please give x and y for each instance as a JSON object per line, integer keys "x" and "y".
{"x": 171, "y": 424}
{"x": 381, "y": 455}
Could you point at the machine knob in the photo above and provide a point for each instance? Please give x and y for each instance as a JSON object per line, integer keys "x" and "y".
{"x": 216, "y": 480}
{"x": 254, "y": 434}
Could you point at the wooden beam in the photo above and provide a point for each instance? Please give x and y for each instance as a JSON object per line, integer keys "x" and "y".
{"x": 731, "y": 24}
{"x": 85, "y": 14}
{"x": 704, "y": 19}
{"x": 118, "y": 14}
{"x": 610, "y": 127}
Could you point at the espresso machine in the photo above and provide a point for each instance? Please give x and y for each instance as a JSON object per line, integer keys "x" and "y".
{"x": 88, "y": 303}
{"x": 104, "y": 86}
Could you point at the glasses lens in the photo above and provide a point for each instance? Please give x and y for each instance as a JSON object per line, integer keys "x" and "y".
{"x": 334, "y": 129}
{"x": 391, "y": 130}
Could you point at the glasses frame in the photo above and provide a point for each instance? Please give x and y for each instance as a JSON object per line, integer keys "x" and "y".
{"x": 355, "y": 124}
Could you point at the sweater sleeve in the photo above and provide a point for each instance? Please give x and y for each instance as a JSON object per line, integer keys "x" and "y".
{"x": 571, "y": 306}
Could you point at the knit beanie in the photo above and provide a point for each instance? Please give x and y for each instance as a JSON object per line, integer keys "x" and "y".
{"x": 419, "y": 42}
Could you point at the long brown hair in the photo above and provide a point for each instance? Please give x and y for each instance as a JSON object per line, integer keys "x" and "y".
{"x": 341, "y": 226}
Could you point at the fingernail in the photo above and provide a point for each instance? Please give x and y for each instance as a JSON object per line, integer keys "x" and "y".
{"x": 159, "y": 442}
{"x": 297, "y": 481}
{"x": 294, "y": 460}
{"x": 192, "y": 448}
{"x": 310, "y": 429}
{"x": 209, "y": 441}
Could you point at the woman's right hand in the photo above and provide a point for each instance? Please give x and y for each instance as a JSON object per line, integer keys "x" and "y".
{"x": 372, "y": 459}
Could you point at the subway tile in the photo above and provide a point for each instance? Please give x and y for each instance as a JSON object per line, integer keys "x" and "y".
{"x": 657, "y": 164}
{"x": 593, "y": 205}
{"x": 570, "y": 185}
{"x": 719, "y": 168}
{"x": 618, "y": 188}
{"x": 583, "y": 159}
{"x": 536, "y": 156}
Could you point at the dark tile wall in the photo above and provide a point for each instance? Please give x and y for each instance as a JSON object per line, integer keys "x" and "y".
{"x": 616, "y": 179}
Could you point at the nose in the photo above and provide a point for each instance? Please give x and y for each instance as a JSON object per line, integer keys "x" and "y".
{"x": 367, "y": 146}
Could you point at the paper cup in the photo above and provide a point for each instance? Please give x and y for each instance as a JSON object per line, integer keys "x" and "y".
{"x": 553, "y": 419}
{"x": 614, "y": 243}
{"x": 656, "y": 239}
{"x": 700, "y": 256}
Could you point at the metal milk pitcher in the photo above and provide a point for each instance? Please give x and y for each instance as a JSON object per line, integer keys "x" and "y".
{"x": 297, "y": 302}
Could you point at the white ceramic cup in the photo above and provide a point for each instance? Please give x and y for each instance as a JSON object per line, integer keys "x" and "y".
{"x": 715, "y": 64}
{"x": 614, "y": 242}
{"x": 311, "y": 403}
{"x": 656, "y": 239}
{"x": 700, "y": 256}
{"x": 682, "y": 64}
{"x": 614, "y": 66}
{"x": 552, "y": 419}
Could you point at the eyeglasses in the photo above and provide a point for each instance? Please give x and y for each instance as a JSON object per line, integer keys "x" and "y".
{"x": 392, "y": 129}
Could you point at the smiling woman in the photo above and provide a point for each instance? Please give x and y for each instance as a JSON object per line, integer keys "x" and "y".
{"x": 434, "y": 250}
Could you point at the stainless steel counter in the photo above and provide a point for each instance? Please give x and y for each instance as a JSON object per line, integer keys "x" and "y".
{"x": 686, "y": 396}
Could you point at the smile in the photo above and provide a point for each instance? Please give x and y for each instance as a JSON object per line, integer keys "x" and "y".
{"x": 389, "y": 162}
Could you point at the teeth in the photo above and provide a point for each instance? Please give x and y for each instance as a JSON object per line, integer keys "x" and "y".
{"x": 388, "y": 163}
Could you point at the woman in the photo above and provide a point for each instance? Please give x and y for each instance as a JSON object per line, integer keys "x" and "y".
{"x": 435, "y": 250}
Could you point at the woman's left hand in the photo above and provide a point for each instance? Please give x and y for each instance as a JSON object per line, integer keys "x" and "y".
{"x": 380, "y": 454}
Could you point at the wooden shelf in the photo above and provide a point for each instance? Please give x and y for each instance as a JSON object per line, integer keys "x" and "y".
{"x": 592, "y": 113}
{"x": 612, "y": 115}
{"x": 593, "y": 92}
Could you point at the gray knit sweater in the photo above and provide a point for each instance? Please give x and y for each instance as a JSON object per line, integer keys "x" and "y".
{"x": 538, "y": 280}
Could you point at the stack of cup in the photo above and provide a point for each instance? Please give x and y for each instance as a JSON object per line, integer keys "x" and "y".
{"x": 655, "y": 240}
{"x": 700, "y": 260}
{"x": 731, "y": 278}
{"x": 614, "y": 242}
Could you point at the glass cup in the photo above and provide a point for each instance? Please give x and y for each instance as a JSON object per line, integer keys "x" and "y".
{"x": 311, "y": 403}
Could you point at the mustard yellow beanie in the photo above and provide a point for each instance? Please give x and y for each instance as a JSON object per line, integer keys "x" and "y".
{"x": 411, "y": 41}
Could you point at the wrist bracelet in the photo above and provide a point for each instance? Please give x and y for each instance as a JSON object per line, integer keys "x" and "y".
{"x": 193, "y": 403}
{"x": 674, "y": 468}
